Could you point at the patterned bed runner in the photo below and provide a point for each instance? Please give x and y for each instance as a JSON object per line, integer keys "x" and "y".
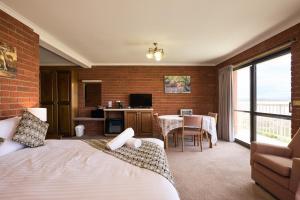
{"x": 149, "y": 156}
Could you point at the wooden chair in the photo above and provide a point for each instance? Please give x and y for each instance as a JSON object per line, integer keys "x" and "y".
{"x": 214, "y": 115}
{"x": 165, "y": 138}
{"x": 192, "y": 126}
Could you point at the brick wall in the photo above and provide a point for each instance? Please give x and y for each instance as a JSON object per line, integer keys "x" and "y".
{"x": 281, "y": 38}
{"x": 119, "y": 82}
{"x": 22, "y": 91}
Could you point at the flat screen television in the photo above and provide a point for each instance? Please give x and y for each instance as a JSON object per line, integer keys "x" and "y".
{"x": 140, "y": 100}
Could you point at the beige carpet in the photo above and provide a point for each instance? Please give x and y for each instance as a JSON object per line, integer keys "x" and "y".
{"x": 215, "y": 174}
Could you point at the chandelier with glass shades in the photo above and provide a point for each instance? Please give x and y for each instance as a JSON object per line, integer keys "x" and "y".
{"x": 155, "y": 52}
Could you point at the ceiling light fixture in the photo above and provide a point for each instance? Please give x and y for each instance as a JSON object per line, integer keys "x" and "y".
{"x": 155, "y": 52}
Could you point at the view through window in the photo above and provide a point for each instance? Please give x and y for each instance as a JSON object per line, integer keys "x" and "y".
{"x": 241, "y": 102}
{"x": 262, "y": 94}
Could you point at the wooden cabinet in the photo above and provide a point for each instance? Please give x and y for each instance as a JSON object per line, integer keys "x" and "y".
{"x": 140, "y": 121}
{"x": 59, "y": 96}
{"x": 145, "y": 123}
{"x": 132, "y": 120}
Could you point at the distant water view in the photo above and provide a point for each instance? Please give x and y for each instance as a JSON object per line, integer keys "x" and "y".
{"x": 269, "y": 130}
{"x": 272, "y": 94}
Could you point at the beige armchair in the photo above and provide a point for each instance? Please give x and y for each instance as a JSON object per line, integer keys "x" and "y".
{"x": 277, "y": 169}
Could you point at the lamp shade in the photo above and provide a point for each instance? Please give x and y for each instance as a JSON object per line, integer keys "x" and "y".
{"x": 158, "y": 55}
{"x": 41, "y": 113}
{"x": 149, "y": 55}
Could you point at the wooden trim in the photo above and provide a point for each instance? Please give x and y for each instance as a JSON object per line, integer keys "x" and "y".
{"x": 279, "y": 48}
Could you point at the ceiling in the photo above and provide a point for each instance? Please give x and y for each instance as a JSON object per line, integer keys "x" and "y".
{"x": 48, "y": 58}
{"x": 114, "y": 32}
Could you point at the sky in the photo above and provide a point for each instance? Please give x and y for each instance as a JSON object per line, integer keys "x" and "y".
{"x": 273, "y": 80}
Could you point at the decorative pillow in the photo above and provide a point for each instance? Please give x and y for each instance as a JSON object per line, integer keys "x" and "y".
{"x": 31, "y": 131}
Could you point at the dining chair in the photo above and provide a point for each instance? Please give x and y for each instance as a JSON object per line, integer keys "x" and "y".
{"x": 214, "y": 115}
{"x": 192, "y": 126}
{"x": 165, "y": 138}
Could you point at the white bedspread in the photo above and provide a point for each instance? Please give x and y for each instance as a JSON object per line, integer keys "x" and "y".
{"x": 71, "y": 169}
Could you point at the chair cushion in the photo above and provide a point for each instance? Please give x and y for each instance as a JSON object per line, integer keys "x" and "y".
{"x": 280, "y": 165}
{"x": 191, "y": 131}
{"x": 281, "y": 180}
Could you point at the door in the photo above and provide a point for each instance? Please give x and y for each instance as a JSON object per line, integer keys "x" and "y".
{"x": 273, "y": 97}
{"x": 145, "y": 123}
{"x": 241, "y": 104}
{"x": 48, "y": 100}
{"x": 262, "y": 99}
{"x": 131, "y": 119}
{"x": 64, "y": 102}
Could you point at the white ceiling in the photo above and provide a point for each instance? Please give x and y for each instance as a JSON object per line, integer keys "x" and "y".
{"x": 119, "y": 32}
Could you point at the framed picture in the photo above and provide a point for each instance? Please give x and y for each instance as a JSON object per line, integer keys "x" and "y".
{"x": 8, "y": 60}
{"x": 177, "y": 84}
{"x": 186, "y": 112}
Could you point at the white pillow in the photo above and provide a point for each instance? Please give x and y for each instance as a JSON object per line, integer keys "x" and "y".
{"x": 8, "y": 127}
{"x": 133, "y": 143}
{"x": 9, "y": 146}
{"x": 120, "y": 140}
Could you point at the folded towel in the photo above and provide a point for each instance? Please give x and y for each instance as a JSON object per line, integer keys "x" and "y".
{"x": 120, "y": 140}
{"x": 133, "y": 143}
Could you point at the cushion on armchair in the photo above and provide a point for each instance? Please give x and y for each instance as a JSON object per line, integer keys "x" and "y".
{"x": 280, "y": 165}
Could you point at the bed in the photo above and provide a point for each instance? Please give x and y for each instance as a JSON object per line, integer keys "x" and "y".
{"x": 72, "y": 169}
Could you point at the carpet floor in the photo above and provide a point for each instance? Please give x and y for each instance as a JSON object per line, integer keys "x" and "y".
{"x": 220, "y": 173}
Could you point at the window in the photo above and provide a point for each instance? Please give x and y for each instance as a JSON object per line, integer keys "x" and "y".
{"x": 262, "y": 95}
{"x": 241, "y": 104}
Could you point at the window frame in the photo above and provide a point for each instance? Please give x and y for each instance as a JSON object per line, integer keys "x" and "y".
{"x": 253, "y": 91}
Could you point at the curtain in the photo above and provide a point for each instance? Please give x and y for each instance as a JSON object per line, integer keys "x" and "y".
{"x": 225, "y": 123}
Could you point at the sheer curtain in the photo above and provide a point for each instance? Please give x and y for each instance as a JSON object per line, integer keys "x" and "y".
{"x": 225, "y": 123}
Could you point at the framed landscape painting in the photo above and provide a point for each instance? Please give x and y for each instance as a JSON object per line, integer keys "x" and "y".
{"x": 8, "y": 60}
{"x": 177, "y": 84}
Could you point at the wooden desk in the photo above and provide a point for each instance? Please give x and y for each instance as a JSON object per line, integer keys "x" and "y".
{"x": 88, "y": 119}
{"x": 140, "y": 119}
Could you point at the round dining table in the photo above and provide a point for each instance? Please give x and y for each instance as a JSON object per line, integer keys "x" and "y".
{"x": 169, "y": 123}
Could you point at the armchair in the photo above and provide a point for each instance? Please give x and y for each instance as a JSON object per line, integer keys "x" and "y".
{"x": 277, "y": 169}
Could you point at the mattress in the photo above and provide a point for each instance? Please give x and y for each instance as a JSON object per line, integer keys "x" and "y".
{"x": 71, "y": 169}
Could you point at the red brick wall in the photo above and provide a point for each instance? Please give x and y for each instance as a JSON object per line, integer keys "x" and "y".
{"x": 22, "y": 91}
{"x": 119, "y": 82}
{"x": 281, "y": 38}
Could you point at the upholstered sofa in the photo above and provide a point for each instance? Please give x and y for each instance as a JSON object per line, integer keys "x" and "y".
{"x": 277, "y": 169}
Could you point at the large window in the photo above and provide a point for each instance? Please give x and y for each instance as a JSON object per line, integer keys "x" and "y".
{"x": 242, "y": 104}
{"x": 262, "y": 95}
